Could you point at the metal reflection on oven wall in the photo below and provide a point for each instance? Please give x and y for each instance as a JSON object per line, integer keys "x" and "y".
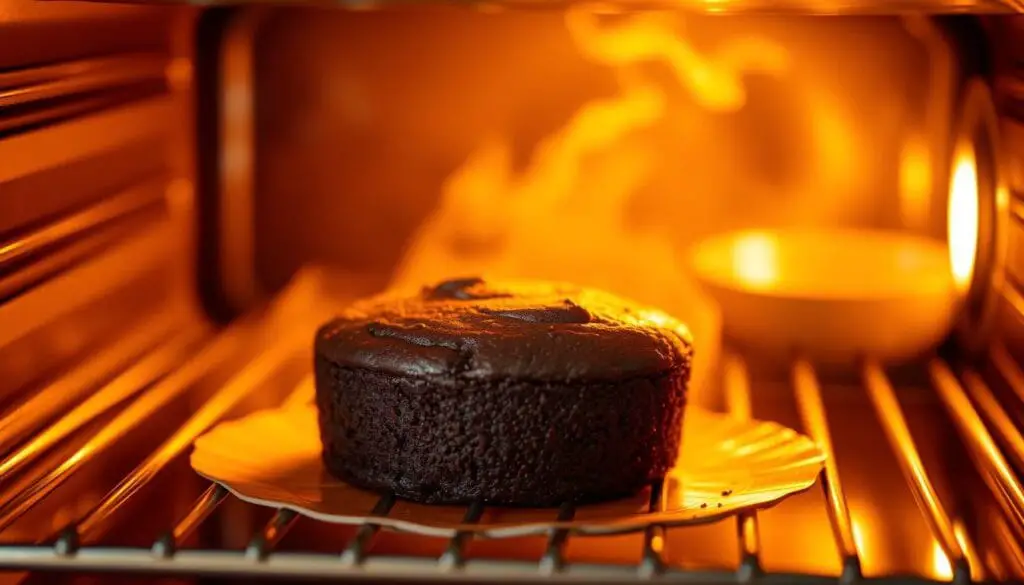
{"x": 977, "y": 138}
{"x": 236, "y": 166}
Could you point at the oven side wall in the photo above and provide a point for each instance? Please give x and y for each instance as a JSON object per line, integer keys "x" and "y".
{"x": 97, "y": 257}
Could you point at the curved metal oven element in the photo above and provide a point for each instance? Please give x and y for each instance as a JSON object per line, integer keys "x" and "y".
{"x": 236, "y": 164}
{"x": 979, "y": 209}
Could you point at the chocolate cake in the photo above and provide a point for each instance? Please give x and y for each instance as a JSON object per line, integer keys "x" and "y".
{"x": 511, "y": 393}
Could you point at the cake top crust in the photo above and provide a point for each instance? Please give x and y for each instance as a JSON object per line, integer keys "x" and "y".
{"x": 472, "y": 328}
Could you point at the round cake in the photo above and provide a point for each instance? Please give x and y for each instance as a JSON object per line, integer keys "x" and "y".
{"x": 509, "y": 393}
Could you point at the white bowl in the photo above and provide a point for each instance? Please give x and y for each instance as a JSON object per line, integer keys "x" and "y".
{"x": 831, "y": 294}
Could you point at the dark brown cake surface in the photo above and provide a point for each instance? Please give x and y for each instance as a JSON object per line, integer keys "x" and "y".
{"x": 513, "y": 393}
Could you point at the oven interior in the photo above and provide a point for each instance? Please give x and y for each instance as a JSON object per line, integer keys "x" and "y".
{"x": 186, "y": 192}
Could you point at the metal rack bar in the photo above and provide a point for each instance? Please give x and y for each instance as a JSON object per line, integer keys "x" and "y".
{"x": 736, "y": 382}
{"x": 141, "y": 409}
{"x": 263, "y": 542}
{"x": 72, "y": 253}
{"x": 974, "y": 562}
{"x": 66, "y": 543}
{"x": 1008, "y": 369}
{"x": 127, "y": 202}
{"x": 125, "y": 65}
{"x": 77, "y": 286}
{"x": 453, "y": 556}
{"x": 290, "y": 565}
{"x": 749, "y": 535}
{"x": 293, "y": 565}
{"x": 205, "y": 505}
{"x": 552, "y": 561}
{"x": 148, "y": 368}
{"x": 994, "y": 468}
{"x": 355, "y": 552}
{"x": 990, "y": 407}
{"x": 241, "y": 385}
{"x": 63, "y": 110}
{"x": 895, "y": 427}
{"x": 64, "y": 391}
{"x": 1006, "y": 541}
{"x": 994, "y": 413}
{"x": 106, "y": 75}
{"x": 652, "y": 561}
{"x": 812, "y": 411}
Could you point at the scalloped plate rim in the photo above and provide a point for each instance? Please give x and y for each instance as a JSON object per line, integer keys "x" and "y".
{"x": 612, "y": 524}
{"x": 608, "y": 526}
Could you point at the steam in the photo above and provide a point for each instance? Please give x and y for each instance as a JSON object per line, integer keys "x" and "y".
{"x": 565, "y": 216}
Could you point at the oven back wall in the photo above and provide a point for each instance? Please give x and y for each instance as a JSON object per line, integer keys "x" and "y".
{"x": 362, "y": 121}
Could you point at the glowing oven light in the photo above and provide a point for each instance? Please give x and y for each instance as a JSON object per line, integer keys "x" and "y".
{"x": 962, "y": 226}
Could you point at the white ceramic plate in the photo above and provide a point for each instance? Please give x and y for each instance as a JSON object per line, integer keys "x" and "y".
{"x": 272, "y": 458}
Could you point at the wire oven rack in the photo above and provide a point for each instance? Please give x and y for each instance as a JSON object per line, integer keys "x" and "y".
{"x": 983, "y": 424}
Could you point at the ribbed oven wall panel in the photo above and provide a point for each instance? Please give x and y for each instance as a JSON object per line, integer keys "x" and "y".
{"x": 1007, "y": 76}
{"x": 35, "y": 33}
{"x": 90, "y": 123}
{"x": 96, "y": 236}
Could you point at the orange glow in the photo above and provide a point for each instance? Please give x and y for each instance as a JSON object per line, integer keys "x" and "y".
{"x": 658, "y": 543}
{"x": 568, "y": 214}
{"x": 962, "y": 226}
{"x": 915, "y": 183}
{"x": 857, "y": 527}
{"x": 941, "y": 569}
{"x": 755, "y": 261}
